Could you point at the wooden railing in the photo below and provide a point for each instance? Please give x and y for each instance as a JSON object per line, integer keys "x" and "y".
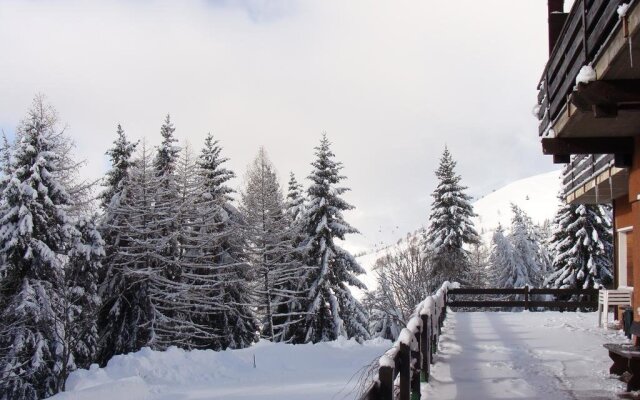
{"x": 583, "y": 168}
{"x": 409, "y": 360}
{"x": 586, "y": 30}
{"x": 528, "y": 298}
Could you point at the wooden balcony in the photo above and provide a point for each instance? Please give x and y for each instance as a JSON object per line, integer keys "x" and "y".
{"x": 594, "y": 179}
{"x": 593, "y": 34}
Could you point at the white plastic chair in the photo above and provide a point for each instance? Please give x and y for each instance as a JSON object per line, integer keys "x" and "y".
{"x": 616, "y": 297}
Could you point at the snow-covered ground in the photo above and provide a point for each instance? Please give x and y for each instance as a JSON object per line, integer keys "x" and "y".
{"x": 526, "y": 355}
{"x": 323, "y": 371}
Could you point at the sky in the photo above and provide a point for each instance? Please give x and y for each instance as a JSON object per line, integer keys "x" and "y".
{"x": 391, "y": 82}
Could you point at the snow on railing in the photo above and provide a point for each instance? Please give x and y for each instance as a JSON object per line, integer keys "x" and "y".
{"x": 408, "y": 361}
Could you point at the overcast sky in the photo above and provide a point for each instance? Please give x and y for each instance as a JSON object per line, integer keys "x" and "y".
{"x": 391, "y": 82}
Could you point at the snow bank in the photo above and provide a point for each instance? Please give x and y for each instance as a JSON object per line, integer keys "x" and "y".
{"x": 282, "y": 371}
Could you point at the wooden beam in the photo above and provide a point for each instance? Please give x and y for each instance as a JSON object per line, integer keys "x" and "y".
{"x": 622, "y": 160}
{"x": 561, "y": 158}
{"x": 604, "y": 98}
{"x": 592, "y": 145}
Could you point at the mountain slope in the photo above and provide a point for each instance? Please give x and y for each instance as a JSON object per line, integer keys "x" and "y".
{"x": 536, "y": 195}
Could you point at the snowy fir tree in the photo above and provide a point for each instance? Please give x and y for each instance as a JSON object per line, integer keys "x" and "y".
{"x": 450, "y": 226}
{"x": 266, "y": 229}
{"x": 504, "y": 271}
{"x": 295, "y": 199}
{"x": 35, "y": 234}
{"x": 331, "y": 309}
{"x": 81, "y": 299}
{"x": 234, "y": 319}
{"x": 583, "y": 245}
{"x": 126, "y": 315}
{"x": 516, "y": 259}
{"x": 121, "y": 156}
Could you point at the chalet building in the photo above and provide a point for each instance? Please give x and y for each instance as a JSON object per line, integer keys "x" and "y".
{"x": 589, "y": 112}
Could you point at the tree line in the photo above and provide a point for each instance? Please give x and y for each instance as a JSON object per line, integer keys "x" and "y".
{"x": 166, "y": 258}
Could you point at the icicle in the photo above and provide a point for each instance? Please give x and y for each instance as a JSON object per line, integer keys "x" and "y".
{"x": 622, "y": 14}
{"x": 611, "y": 186}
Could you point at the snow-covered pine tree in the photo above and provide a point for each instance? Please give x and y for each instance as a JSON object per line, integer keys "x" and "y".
{"x": 294, "y": 204}
{"x": 268, "y": 234}
{"x": 165, "y": 275}
{"x": 121, "y": 156}
{"x": 450, "y": 226}
{"x": 504, "y": 271}
{"x": 583, "y": 243}
{"x": 525, "y": 268}
{"x": 233, "y": 319}
{"x": 125, "y": 318}
{"x": 82, "y": 301}
{"x": 331, "y": 309}
{"x": 35, "y": 233}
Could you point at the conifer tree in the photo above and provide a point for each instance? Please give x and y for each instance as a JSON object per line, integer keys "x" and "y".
{"x": 516, "y": 258}
{"x": 294, "y": 204}
{"x": 450, "y": 226}
{"x": 582, "y": 241}
{"x": 35, "y": 234}
{"x": 269, "y": 235}
{"x": 233, "y": 319}
{"x": 121, "y": 156}
{"x": 82, "y": 301}
{"x": 125, "y": 318}
{"x": 504, "y": 272}
{"x": 331, "y": 310}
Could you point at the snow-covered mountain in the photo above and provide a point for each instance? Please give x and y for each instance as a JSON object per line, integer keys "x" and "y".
{"x": 536, "y": 195}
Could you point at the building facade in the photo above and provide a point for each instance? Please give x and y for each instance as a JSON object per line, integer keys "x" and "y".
{"x": 589, "y": 112}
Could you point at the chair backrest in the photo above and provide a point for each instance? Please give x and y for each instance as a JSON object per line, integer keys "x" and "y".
{"x": 615, "y": 297}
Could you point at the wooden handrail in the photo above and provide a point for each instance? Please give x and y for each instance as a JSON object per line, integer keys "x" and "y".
{"x": 417, "y": 342}
{"x": 527, "y": 302}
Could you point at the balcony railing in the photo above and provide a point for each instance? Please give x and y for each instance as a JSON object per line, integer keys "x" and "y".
{"x": 587, "y": 28}
{"x": 584, "y": 168}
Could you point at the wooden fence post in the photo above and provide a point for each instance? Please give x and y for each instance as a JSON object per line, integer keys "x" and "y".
{"x": 526, "y": 297}
{"x": 405, "y": 371}
{"x": 385, "y": 375}
{"x": 416, "y": 366}
{"x": 425, "y": 348}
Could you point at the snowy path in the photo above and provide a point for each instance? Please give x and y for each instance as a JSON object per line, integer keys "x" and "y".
{"x": 523, "y": 356}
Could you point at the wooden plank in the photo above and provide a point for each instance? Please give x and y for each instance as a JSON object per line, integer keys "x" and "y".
{"x": 485, "y": 303}
{"x": 606, "y": 22}
{"x": 405, "y": 372}
{"x": 568, "y": 32}
{"x": 426, "y": 347}
{"x": 563, "y": 304}
{"x": 485, "y": 291}
{"x": 559, "y": 292}
{"x": 385, "y": 377}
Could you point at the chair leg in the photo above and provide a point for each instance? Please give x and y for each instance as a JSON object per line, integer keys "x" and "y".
{"x": 605, "y": 310}
{"x": 599, "y": 315}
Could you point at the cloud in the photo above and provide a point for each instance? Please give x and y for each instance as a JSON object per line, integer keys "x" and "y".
{"x": 390, "y": 81}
